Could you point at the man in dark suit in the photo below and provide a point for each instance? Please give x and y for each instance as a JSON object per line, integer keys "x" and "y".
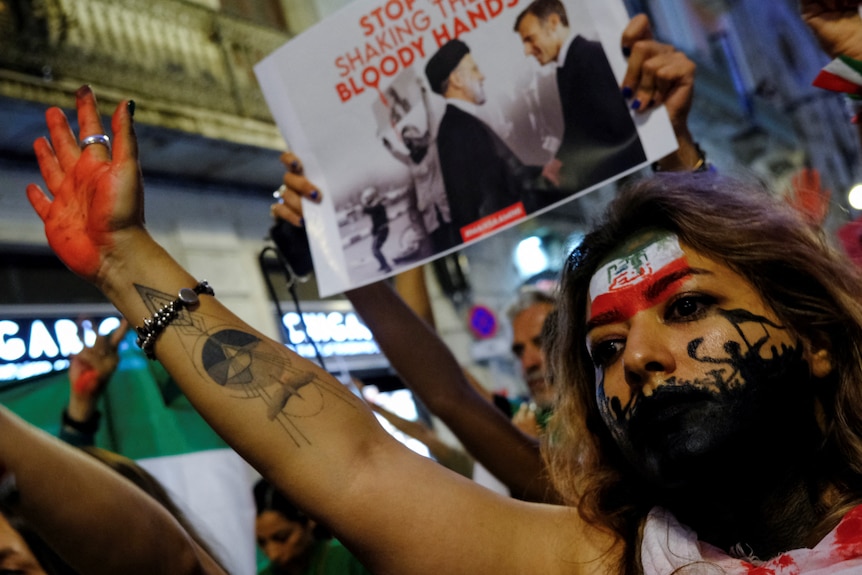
{"x": 481, "y": 174}
{"x": 599, "y": 137}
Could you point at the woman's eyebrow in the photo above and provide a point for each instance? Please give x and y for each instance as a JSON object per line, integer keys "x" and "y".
{"x": 657, "y": 288}
{"x": 651, "y": 294}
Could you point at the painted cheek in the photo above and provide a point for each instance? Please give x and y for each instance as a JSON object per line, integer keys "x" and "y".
{"x": 712, "y": 343}
{"x": 610, "y": 402}
{"x": 617, "y": 426}
{"x": 611, "y": 385}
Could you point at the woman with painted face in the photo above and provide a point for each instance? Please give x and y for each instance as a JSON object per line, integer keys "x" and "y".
{"x": 716, "y": 361}
{"x": 707, "y": 353}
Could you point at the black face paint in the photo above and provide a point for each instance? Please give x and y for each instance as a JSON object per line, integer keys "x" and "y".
{"x": 747, "y": 407}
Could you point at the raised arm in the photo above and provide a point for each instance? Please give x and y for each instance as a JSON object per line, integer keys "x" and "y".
{"x": 413, "y": 347}
{"x": 296, "y": 424}
{"x": 90, "y": 370}
{"x": 659, "y": 74}
{"x": 400, "y": 156}
{"x": 428, "y": 367}
{"x": 98, "y": 521}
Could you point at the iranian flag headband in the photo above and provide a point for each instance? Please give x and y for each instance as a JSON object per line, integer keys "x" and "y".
{"x": 639, "y": 279}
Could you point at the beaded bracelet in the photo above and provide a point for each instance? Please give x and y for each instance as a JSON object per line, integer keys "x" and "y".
{"x": 152, "y": 328}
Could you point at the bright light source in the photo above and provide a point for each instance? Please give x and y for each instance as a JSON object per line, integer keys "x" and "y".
{"x": 530, "y": 257}
{"x": 854, "y": 196}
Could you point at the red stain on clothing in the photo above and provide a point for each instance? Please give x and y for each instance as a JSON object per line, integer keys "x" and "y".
{"x": 848, "y": 535}
{"x": 781, "y": 564}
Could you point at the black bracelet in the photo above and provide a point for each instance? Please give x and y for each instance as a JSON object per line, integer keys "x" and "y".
{"x": 88, "y": 427}
{"x": 152, "y": 328}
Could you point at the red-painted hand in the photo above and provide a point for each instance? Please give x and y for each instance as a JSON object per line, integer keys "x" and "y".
{"x": 92, "y": 367}
{"x": 95, "y": 195}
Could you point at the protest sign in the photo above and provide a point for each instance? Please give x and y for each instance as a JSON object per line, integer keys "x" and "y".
{"x": 427, "y": 126}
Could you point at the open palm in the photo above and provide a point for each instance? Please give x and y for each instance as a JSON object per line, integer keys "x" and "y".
{"x": 95, "y": 196}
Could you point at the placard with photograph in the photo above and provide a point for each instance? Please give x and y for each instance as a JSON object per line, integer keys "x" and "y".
{"x": 430, "y": 124}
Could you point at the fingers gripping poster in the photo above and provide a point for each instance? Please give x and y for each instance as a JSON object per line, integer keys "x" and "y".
{"x": 431, "y": 124}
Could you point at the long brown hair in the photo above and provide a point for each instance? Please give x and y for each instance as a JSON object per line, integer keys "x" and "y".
{"x": 810, "y": 286}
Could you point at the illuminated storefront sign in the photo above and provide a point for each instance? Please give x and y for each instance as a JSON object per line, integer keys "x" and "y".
{"x": 40, "y": 344}
{"x": 35, "y": 346}
{"x": 339, "y": 333}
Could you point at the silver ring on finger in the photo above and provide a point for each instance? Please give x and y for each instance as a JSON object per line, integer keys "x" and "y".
{"x": 96, "y": 139}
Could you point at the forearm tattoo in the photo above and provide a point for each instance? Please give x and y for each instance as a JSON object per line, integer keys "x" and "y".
{"x": 252, "y": 368}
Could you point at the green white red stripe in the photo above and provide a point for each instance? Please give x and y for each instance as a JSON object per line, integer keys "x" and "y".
{"x": 638, "y": 280}
{"x": 841, "y": 75}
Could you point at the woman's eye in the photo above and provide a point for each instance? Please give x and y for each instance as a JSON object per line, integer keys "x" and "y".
{"x": 605, "y": 352}
{"x": 688, "y": 308}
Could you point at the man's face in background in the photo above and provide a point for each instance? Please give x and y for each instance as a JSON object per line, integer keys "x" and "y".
{"x": 527, "y": 346}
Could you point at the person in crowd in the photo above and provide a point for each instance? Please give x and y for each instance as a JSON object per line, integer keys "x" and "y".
{"x": 16, "y": 555}
{"x": 293, "y": 542}
{"x": 374, "y": 208}
{"x": 90, "y": 370}
{"x": 22, "y": 548}
{"x": 481, "y": 174}
{"x": 94, "y": 519}
{"x": 423, "y": 163}
{"x": 599, "y": 136}
{"x": 681, "y": 357}
{"x": 527, "y": 315}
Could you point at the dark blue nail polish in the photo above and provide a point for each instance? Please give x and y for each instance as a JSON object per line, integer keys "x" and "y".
{"x": 294, "y": 165}
{"x": 627, "y": 51}
{"x": 314, "y": 195}
{"x": 651, "y": 103}
{"x": 131, "y": 107}
{"x": 636, "y": 104}
{"x": 302, "y": 222}
{"x": 627, "y": 92}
